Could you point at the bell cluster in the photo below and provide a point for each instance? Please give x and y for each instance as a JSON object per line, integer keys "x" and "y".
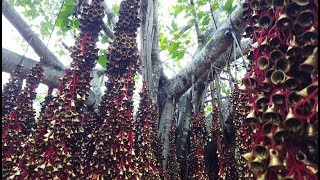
{"x": 18, "y": 124}
{"x": 91, "y": 17}
{"x": 128, "y": 19}
{"x": 196, "y": 168}
{"x": 242, "y": 132}
{"x": 281, "y": 87}
{"x": 173, "y": 165}
{"x": 11, "y": 90}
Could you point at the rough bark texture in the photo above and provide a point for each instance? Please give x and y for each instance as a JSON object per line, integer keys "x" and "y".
{"x": 215, "y": 47}
{"x": 26, "y": 32}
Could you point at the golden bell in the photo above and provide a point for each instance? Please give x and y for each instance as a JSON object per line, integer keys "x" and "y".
{"x": 278, "y": 98}
{"x": 267, "y": 129}
{"x": 276, "y": 54}
{"x": 263, "y": 176}
{"x": 263, "y": 63}
{"x": 271, "y": 115}
{"x": 257, "y": 166}
{"x": 311, "y": 131}
{"x": 275, "y": 164}
{"x": 292, "y": 123}
{"x": 264, "y": 22}
{"x": 310, "y": 65}
{"x": 293, "y": 9}
{"x": 262, "y": 100}
{"x": 310, "y": 36}
{"x": 305, "y": 18}
{"x": 242, "y": 88}
{"x": 264, "y": 46}
{"x": 280, "y": 135}
{"x": 291, "y": 177}
{"x": 284, "y": 21}
{"x": 260, "y": 152}
{"x": 256, "y": 27}
{"x": 254, "y": 4}
{"x": 305, "y": 92}
{"x": 283, "y": 64}
{"x": 291, "y": 83}
{"x": 278, "y": 77}
{"x": 251, "y": 118}
{"x": 248, "y": 157}
{"x": 254, "y": 18}
{"x": 266, "y": 85}
{"x": 269, "y": 72}
{"x": 301, "y": 2}
{"x": 293, "y": 49}
{"x": 294, "y": 98}
{"x": 251, "y": 81}
{"x": 274, "y": 42}
{"x": 248, "y": 32}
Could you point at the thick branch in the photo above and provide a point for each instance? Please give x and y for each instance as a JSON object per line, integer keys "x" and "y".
{"x": 215, "y": 47}
{"x": 112, "y": 18}
{"x": 107, "y": 30}
{"x": 51, "y": 74}
{"x": 26, "y": 32}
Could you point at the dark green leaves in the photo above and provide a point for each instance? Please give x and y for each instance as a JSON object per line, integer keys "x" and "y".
{"x": 103, "y": 58}
{"x": 227, "y": 7}
{"x": 65, "y": 20}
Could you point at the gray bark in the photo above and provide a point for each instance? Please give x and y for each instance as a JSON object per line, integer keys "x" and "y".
{"x": 165, "y": 122}
{"x": 216, "y": 46}
{"x": 112, "y": 18}
{"x": 26, "y": 32}
{"x": 51, "y": 74}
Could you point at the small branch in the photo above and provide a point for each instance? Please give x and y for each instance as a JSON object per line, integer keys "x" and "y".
{"x": 107, "y": 30}
{"x": 112, "y": 18}
{"x": 65, "y": 46}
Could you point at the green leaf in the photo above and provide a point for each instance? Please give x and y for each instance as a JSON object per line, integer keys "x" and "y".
{"x": 206, "y": 20}
{"x": 174, "y": 26}
{"x": 103, "y": 61}
{"x": 201, "y": 14}
{"x": 215, "y": 5}
{"x": 75, "y": 24}
{"x": 178, "y": 9}
{"x": 104, "y": 39}
{"x": 116, "y": 9}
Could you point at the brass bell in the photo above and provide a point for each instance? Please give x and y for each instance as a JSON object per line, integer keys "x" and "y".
{"x": 305, "y": 92}
{"x": 280, "y": 135}
{"x": 263, "y": 63}
{"x": 263, "y": 176}
{"x": 276, "y": 54}
{"x": 271, "y": 115}
{"x": 257, "y": 166}
{"x": 262, "y": 100}
{"x": 310, "y": 65}
{"x": 284, "y": 21}
{"x": 278, "y": 77}
{"x": 305, "y": 18}
{"x": 291, "y": 177}
{"x": 264, "y": 22}
{"x": 311, "y": 131}
{"x": 301, "y": 2}
{"x": 310, "y": 36}
{"x": 256, "y": 27}
{"x": 283, "y": 64}
{"x": 254, "y": 4}
{"x": 264, "y": 46}
{"x": 274, "y": 42}
{"x": 278, "y": 98}
{"x": 294, "y": 48}
{"x": 275, "y": 164}
{"x": 254, "y": 18}
{"x": 251, "y": 81}
{"x": 292, "y": 123}
{"x": 266, "y": 85}
{"x": 267, "y": 129}
{"x": 260, "y": 152}
{"x": 291, "y": 83}
{"x": 251, "y": 118}
{"x": 248, "y": 157}
{"x": 293, "y": 9}
{"x": 294, "y": 98}
{"x": 269, "y": 72}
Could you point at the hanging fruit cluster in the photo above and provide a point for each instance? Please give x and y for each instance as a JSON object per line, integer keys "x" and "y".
{"x": 173, "y": 164}
{"x": 55, "y": 150}
{"x": 282, "y": 87}
{"x": 196, "y": 169}
{"x": 115, "y": 138}
{"x": 242, "y": 132}
{"x": 18, "y": 124}
{"x": 11, "y": 90}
